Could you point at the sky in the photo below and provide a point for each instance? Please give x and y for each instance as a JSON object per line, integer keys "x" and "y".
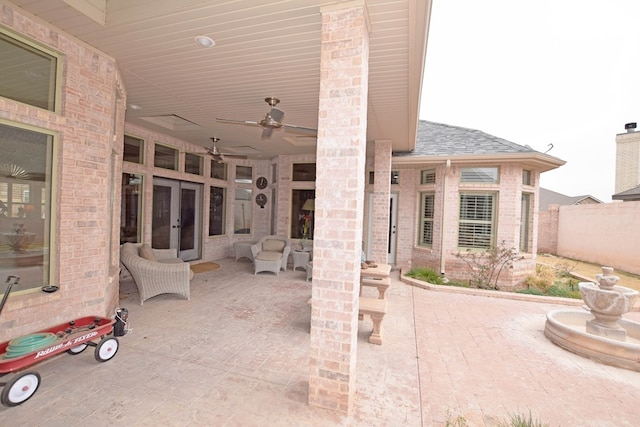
{"x": 539, "y": 72}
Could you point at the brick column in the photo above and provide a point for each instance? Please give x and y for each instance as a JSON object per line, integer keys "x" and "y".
{"x": 341, "y": 152}
{"x": 379, "y": 245}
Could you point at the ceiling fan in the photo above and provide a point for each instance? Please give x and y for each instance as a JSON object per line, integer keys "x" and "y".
{"x": 272, "y": 120}
{"x": 217, "y": 155}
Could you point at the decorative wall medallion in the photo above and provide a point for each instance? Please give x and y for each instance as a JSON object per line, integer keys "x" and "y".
{"x": 261, "y": 200}
{"x": 261, "y": 183}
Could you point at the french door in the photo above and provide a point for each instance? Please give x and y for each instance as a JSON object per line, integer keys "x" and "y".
{"x": 177, "y": 217}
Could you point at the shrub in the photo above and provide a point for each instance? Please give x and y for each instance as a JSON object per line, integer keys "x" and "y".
{"x": 426, "y": 275}
{"x": 543, "y": 278}
{"x": 486, "y": 266}
{"x": 517, "y": 420}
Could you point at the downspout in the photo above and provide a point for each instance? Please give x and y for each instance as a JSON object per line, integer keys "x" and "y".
{"x": 444, "y": 214}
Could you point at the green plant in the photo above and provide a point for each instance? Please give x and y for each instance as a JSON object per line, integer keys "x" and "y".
{"x": 458, "y": 421}
{"x": 563, "y": 290}
{"x": 517, "y": 420}
{"x": 542, "y": 279}
{"x": 486, "y": 266}
{"x": 425, "y": 274}
{"x": 530, "y": 291}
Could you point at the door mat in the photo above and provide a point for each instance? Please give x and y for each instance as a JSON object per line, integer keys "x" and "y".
{"x": 204, "y": 267}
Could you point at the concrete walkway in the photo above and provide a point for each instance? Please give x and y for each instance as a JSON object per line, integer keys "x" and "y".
{"x": 236, "y": 354}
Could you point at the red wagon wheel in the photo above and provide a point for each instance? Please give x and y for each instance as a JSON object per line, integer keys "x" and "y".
{"x": 106, "y": 349}
{"x": 77, "y": 349}
{"x": 20, "y": 388}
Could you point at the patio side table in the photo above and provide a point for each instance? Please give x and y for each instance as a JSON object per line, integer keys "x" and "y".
{"x": 243, "y": 250}
{"x": 300, "y": 258}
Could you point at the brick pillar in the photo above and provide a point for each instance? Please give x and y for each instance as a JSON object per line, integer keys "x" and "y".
{"x": 341, "y": 152}
{"x": 379, "y": 245}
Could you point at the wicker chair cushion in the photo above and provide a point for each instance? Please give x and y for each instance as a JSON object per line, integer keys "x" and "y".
{"x": 269, "y": 256}
{"x": 146, "y": 252}
{"x": 273, "y": 245}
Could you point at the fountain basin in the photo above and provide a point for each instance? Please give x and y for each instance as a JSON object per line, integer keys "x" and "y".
{"x": 614, "y": 301}
{"x": 19, "y": 242}
{"x": 568, "y": 329}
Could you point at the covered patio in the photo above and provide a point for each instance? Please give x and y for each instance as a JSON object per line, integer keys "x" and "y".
{"x": 237, "y": 354}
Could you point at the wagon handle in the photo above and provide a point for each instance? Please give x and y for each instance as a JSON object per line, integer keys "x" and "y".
{"x": 11, "y": 280}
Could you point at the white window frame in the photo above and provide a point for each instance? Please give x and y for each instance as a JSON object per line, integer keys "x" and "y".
{"x": 473, "y": 239}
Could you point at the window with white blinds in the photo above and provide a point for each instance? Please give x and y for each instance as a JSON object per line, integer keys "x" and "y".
{"x": 426, "y": 219}
{"x": 477, "y": 220}
{"x": 479, "y": 175}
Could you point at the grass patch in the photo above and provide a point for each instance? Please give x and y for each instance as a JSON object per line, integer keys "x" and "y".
{"x": 426, "y": 275}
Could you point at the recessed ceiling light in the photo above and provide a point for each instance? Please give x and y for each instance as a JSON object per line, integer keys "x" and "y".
{"x": 135, "y": 107}
{"x": 205, "y": 41}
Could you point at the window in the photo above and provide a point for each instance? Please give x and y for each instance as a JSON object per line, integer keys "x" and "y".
{"x": 217, "y": 208}
{"x": 476, "y": 224}
{"x": 526, "y": 177}
{"x": 302, "y": 211}
{"x": 218, "y": 170}
{"x": 243, "y": 211}
{"x": 426, "y": 219}
{"x": 193, "y": 164}
{"x": 428, "y": 176}
{"x": 304, "y": 172}
{"x": 395, "y": 177}
{"x": 25, "y": 204}
{"x": 131, "y": 208}
{"x": 133, "y": 149}
{"x": 479, "y": 175}
{"x": 28, "y": 73}
{"x": 244, "y": 174}
{"x": 525, "y": 222}
{"x": 165, "y": 157}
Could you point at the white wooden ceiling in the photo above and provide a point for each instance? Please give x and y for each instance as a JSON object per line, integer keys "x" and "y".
{"x": 263, "y": 48}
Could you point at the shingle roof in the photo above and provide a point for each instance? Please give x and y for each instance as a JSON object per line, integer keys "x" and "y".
{"x": 437, "y": 139}
{"x": 628, "y": 195}
{"x": 548, "y": 197}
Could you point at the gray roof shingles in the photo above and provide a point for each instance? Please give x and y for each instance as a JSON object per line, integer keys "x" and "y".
{"x": 437, "y": 139}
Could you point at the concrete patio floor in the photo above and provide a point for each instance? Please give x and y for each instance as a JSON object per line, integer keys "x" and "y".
{"x": 236, "y": 354}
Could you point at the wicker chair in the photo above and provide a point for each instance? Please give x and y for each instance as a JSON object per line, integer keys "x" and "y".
{"x": 156, "y": 271}
{"x": 271, "y": 253}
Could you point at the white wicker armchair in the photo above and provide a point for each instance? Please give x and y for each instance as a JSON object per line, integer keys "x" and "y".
{"x": 167, "y": 274}
{"x": 271, "y": 253}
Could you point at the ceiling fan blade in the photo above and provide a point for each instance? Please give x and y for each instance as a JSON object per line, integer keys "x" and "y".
{"x": 276, "y": 115}
{"x": 266, "y": 133}
{"x": 239, "y": 122}
{"x": 300, "y": 129}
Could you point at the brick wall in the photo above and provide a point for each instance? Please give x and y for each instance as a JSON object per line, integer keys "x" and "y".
{"x": 83, "y": 244}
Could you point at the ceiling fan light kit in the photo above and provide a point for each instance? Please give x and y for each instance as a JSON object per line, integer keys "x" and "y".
{"x": 217, "y": 155}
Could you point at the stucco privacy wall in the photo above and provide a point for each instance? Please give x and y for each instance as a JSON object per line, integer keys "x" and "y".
{"x": 86, "y": 159}
{"x": 606, "y": 234}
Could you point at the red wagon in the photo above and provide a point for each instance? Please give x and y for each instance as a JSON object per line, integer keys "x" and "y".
{"x": 72, "y": 337}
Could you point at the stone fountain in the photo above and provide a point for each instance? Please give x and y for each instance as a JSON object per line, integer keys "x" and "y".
{"x": 599, "y": 332}
{"x": 19, "y": 240}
